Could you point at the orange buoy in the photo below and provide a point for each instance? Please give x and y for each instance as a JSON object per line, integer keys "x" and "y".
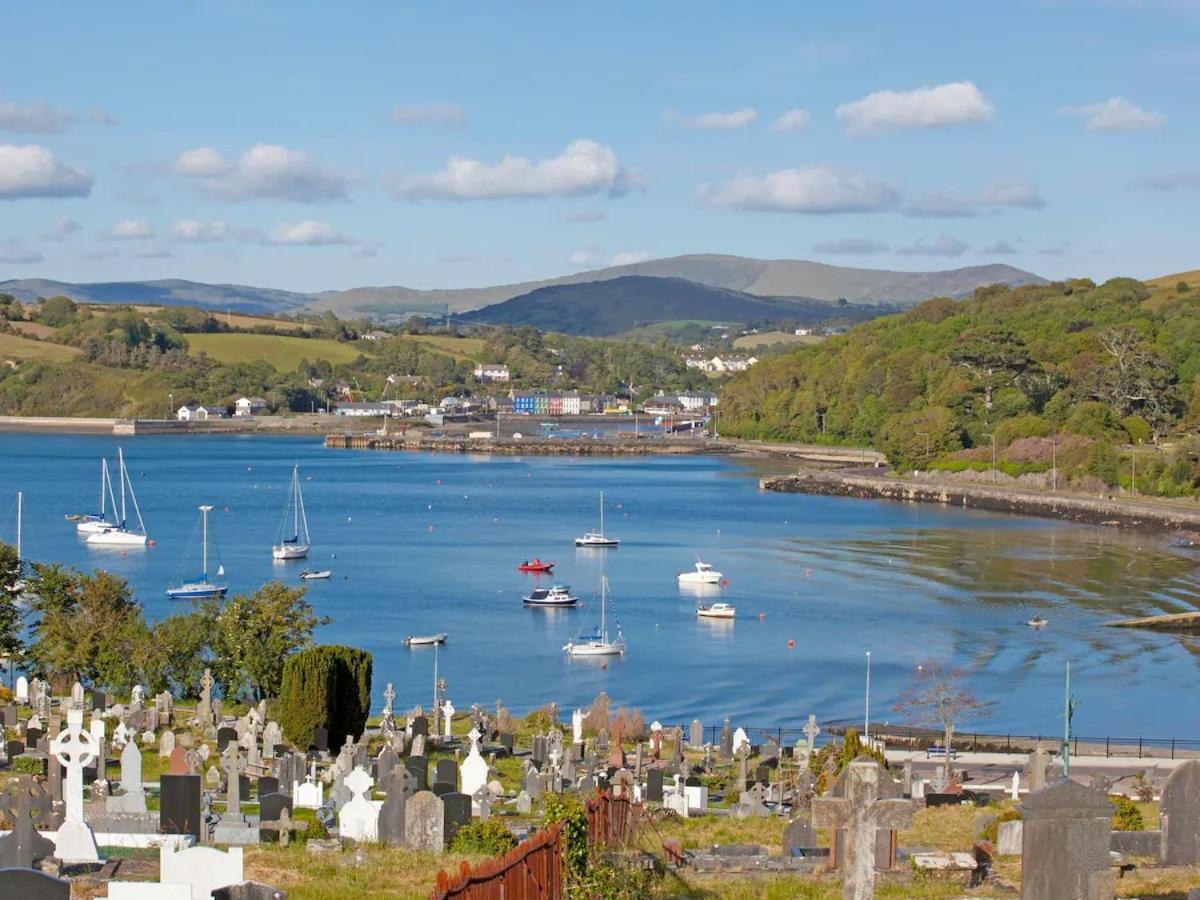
{"x": 807, "y": 573}
{"x": 725, "y": 582}
{"x": 152, "y": 542}
{"x": 762, "y": 617}
{"x": 791, "y": 645}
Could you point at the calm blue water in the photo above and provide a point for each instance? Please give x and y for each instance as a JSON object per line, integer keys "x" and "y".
{"x": 423, "y": 543}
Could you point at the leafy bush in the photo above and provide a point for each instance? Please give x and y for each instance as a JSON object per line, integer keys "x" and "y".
{"x": 26, "y": 765}
{"x": 568, "y": 810}
{"x": 992, "y": 831}
{"x": 487, "y": 838}
{"x": 326, "y": 686}
{"x": 1126, "y": 815}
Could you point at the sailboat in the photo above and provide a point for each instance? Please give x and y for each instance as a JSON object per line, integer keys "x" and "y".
{"x": 597, "y": 538}
{"x": 90, "y": 523}
{"x": 296, "y": 546}
{"x": 19, "y": 584}
{"x": 598, "y": 644}
{"x": 120, "y": 535}
{"x": 201, "y": 588}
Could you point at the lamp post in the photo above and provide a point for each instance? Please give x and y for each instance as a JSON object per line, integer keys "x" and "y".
{"x": 170, "y": 404}
{"x": 993, "y": 437}
{"x": 867, "y": 705}
{"x": 1053, "y": 465}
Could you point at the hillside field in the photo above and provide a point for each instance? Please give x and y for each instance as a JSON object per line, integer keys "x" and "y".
{"x": 767, "y": 338}
{"x": 282, "y": 352}
{"x": 459, "y": 347}
{"x": 15, "y": 347}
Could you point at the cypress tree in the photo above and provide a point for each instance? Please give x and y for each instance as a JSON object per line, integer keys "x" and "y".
{"x": 325, "y": 687}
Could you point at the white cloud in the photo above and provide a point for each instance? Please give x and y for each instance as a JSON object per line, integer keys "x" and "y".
{"x": 1013, "y": 193}
{"x": 815, "y": 189}
{"x": 265, "y": 171}
{"x": 308, "y": 232}
{"x": 715, "y": 121}
{"x": 152, "y": 252}
{"x": 582, "y": 258}
{"x": 943, "y": 246}
{"x": 18, "y": 253}
{"x": 196, "y": 231}
{"x": 584, "y": 167}
{"x": 586, "y": 216}
{"x": 792, "y": 120}
{"x": 1115, "y": 114}
{"x": 434, "y": 114}
{"x": 854, "y": 246}
{"x": 957, "y": 103}
{"x": 1000, "y": 248}
{"x": 30, "y": 170}
{"x": 130, "y": 230}
{"x": 37, "y": 117}
{"x": 61, "y": 229}
{"x": 995, "y": 196}
{"x": 630, "y": 257}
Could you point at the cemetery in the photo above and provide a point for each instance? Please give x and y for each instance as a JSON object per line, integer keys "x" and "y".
{"x": 131, "y": 795}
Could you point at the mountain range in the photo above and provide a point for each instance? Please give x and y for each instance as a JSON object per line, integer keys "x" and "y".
{"x": 779, "y": 278}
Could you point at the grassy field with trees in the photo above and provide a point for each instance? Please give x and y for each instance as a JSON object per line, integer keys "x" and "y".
{"x": 1071, "y": 375}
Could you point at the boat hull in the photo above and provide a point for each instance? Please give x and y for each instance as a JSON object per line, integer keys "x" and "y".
{"x": 427, "y": 641}
{"x": 198, "y": 592}
{"x": 533, "y": 601}
{"x": 289, "y": 551}
{"x": 721, "y": 614}
{"x": 93, "y": 527}
{"x": 594, "y": 649}
{"x": 696, "y": 578}
{"x": 536, "y": 569}
{"x": 315, "y": 576}
{"x": 597, "y": 542}
{"x": 117, "y": 538}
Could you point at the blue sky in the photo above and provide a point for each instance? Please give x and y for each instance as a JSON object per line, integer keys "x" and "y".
{"x": 314, "y": 146}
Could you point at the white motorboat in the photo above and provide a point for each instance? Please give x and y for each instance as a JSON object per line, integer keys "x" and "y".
{"x": 598, "y": 538}
{"x": 716, "y": 611}
{"x": 425, "y": 640}
{"x": 556, "y": 595}
{"x": 120, "y": 534}
{"x": 296, "y": 546}
{"x": 598, "y": 644}
{"x": 319, "y": 575}
{"x": 704, "y": 574}
{"x": 200, "y": 588}
{"x": 1037, "y": 622}
{"x": 91, "y": 523}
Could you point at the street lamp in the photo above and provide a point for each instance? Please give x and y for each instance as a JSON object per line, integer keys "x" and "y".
{"x": 1053, "y": 465}
{"x": 867, "y": 706}
{"x": 170, "y": 404}
{"x": 993, "y": 437}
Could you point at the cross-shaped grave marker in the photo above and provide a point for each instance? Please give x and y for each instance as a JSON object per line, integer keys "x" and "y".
{"x": 861, "y": 813}
{"x": 234, "y": 766}
{"x": 285, "y": 826}
{"x": 389, "y": 695}
{"x": 24, "y": 803}
{"x": 75, "y": 749}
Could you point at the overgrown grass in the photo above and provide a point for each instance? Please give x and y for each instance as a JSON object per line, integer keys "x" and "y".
{"x": 283, "y": 352}
{"x": 14, "y": 346}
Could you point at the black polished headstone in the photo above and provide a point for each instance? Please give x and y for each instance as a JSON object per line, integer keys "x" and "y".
{"x": 179, "y": 798}
{"x": 457, "y": 812}
{"x": 98, "y": 700}
{"x": 420, "y": 725}
{"x": 441, "y": 788}
{"x": 225, "y": 737}
{"x": 446, "y": 772}
{"x": 654, "y": 785}
{"x": 320, "y": 741}
{"x": 419, "y": 767}
{"x": 762, "y": 775}
{"x": 13, "y": 749}
{"x": 32, "y": 736}
{"x": 268, "y": 785}
{"x": 30, "y": 884}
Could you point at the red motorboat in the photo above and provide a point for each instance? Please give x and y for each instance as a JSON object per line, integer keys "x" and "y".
{"x": 535, "y": 565}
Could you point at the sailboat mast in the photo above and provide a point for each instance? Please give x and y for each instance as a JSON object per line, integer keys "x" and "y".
{"x": 602, "y": 513}
{"x": 121, "y": 474}
{"x": 296, "y": 501}
{"x": 603, "y": 604}
{"x": 19, "y": 499}
{"x": 204, "y": 552}
{"x": 103, "y": 485}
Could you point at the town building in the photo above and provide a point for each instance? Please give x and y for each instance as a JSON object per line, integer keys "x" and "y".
{"x": 200, "y": 413}
{"x": 363, "y": 409}
{"x": 249, "y": 406}
{"x": 492, "y": 372}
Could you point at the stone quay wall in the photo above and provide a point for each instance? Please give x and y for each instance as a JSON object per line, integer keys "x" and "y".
{"x": 1089, "y": 509}
{"x": 524, "y": 447}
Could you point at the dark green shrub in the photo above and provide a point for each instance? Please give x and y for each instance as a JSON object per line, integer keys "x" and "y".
{"x": 487, "y": 838}
{"x": 568, "y": 810}
{"x": 27, "y": 765}
{"x": 992, "y": 831}
{"x": 1126, "y": 815}
{"x": 326, "y": 686}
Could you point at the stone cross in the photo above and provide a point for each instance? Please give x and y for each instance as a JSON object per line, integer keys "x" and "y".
{"x": 861, "y": 813}
{"x": 284, "y": 826}
{"x": 389, "y": 696}
{"x": 204, "y": 709}
{"x": 811, "y": 730}
{"x": 75, "y": 749}
{"x": 234, "y": 766}
{"x": 24, "y": 803}
{"x": 448, "y": 711}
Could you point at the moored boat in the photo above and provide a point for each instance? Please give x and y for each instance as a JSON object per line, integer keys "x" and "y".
{"x": 535, "y": 565}
{"x": 425, "y": 640}
{"x": 119, "y": 534}
{"x": 703, "y": 574}
{"x": 555, "y": 595}
{"x": 293, "y": 542}
{"x": 716, "y": 611}
{"x": 599, "y": 643}
{"x": 598, "y": 538}
{"x": 201, "y": 588}
{"x": 318, "y": 575}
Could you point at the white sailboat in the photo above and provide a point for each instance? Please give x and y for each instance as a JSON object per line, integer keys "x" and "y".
{"x": 597, "y": 538}
{"x": 120, "y": 534}
{"x": 200, "y": 588}
{"x": 91, "y": 523}
{"x": 296, "y": 546}
{"x": 19, "y": 584}
{"x": 598, "y": 644}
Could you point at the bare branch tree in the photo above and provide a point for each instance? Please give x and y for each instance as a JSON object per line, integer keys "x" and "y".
{"x": 940, "y": 698}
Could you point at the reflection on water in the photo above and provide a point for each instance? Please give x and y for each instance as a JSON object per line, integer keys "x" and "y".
{"x": 425, "y": 543}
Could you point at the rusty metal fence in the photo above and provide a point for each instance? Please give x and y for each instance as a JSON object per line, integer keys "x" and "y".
{"x": 530, "y": 871}
{"x": 612, "y": 821}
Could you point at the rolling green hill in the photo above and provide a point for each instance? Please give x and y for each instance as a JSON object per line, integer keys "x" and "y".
{"x": 284, "y": 353}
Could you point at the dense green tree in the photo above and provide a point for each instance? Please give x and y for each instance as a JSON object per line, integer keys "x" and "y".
{"x": 11, "y": 588}
{"x": 57, "y": 311}
{"x": 325, "y": 687}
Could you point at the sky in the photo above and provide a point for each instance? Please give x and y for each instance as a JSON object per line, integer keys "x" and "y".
{"x": 313, "y": 146}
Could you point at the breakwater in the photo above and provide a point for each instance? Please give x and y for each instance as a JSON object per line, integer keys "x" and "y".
{"x": 524, "y": 446}
{"x": 1091, "y": 510}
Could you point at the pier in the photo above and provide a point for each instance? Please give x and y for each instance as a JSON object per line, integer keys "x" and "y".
{"x": 622, "y": 446}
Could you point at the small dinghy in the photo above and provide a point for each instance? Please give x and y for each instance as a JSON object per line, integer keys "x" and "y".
{"x": 1037, "y": 622}
{"x": 319, "y": 575}
{"x": 415, "y": 640}
{"x": 535, "y": 565}
{"x": 716, "y": 611}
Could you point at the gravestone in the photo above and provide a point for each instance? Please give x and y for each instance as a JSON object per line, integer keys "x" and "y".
{"x": 226, "y": 736}
{"x": 799, "y": 835}
{"x": 654, "y": 785}
{"x": 726, "y": 742}
{"x": 752, "y": 803}
{"x": 75, "y": 749}
{"x": 696, "y": 734}
{"x": 233, "y": 765}
{"x": 861, "y": 811}
{"x": 384, "y": 763}
{"x": 420, "y": 726}
{"x": 133, "y": 800}
{"x": 30, "y": 884}
{"x": 166, "y": 744}
{"x": 25, "y": 804}
{"x": 358, "y": 819}
{"x": 425, "y": 822}
{"x": 22, "y": 690}
{"x": 524, "y": 804}
{"x": 418, "y": 746}
{"x": 1065, "y": 844}
{"x": 474, "y": 767}
{"x": 204, "y": 868}
{"x": 320, "y": 741}
{"x": 1035, "y": 770}
{"x": 1009, "y": 838}
{"x": 577, "y": 726}
{"x": 270, "y": 805}
{"x": 1180, "y": 816}
{"x": 456, "y": 807}
{"x": 282, "y": 826}
{"x": 392, "y": 813}
{"x": 179, "y": 804}
{"x": 445, "y": 771}
{"x": 418, "y": 767}
{"x": 272, "y": 737}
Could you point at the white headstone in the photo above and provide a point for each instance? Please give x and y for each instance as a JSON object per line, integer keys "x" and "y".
{"x": 131, "y": 769}
{"x": 96, "y": 727}
{"x": 447, "y": 714}
{"x": 740, "y": 739}
{"x": 203, "y": 868}
{"x": 75, "y": 748}
{"x": 22, "y": 694}
{"x": 1014, "y": 792}
{"x": 359, "y": 817}
{"x": 577, "y": 726}
{"x": 474, "y": 769}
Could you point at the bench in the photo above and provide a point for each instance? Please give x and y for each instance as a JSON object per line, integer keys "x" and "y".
{"x": 938, "y": 751}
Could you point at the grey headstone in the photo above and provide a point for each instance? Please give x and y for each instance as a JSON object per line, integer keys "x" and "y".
{"x": 457, "y": 809}
{"x": 654, "y": 785}
{"x": 1180, "y": 806}
{"x": 1065, "y": 843}
{"x": 799, "y": 835}
{"x": 425, "y": 822}
{"x": 179, "y": 804}
{"x": 30, "y": 884}
{"x": 248, "y": 890}
{"x": 696, "y": 734}
{"x": 418, "y": 767}
{"x": 446, "y": 772}
{"x": 392, "y": 813}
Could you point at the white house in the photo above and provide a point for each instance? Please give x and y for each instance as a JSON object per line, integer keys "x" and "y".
{"x": 492, "y": 372}
{"x": 364, "y": 409}
{"x": 249, "y": 406}
{"x": 199, "y": 413}
{"x": 572, "y": 403}
{"x": 692, "y": 400}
